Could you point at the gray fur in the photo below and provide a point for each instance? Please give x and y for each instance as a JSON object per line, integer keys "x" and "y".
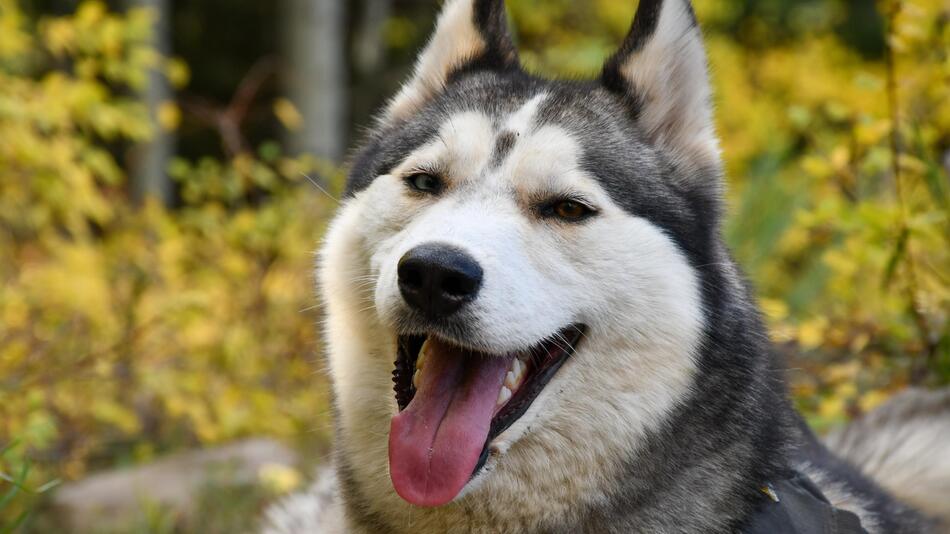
{"x": 895, "y": 446}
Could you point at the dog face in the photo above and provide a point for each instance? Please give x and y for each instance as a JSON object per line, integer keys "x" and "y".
{"x": 526, "y": 252}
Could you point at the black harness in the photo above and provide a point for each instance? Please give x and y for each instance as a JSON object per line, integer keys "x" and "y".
{"x": 796, "y": 506}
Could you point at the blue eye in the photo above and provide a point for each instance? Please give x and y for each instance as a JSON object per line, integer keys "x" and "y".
{"x": 424, "y": 183}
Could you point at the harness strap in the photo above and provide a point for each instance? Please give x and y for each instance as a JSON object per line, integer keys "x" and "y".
{"x": 796, "y": 506}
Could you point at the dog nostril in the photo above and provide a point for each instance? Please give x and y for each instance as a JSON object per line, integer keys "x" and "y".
{"x": 458, "y": 286}
{"x": 411, "y": 276}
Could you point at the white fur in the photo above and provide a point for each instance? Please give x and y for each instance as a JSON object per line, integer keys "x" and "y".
{"x": 617, "y": 273}
{"x": 521, "y": 121}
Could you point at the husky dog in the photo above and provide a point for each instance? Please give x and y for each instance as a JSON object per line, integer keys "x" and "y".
{"x": 575, "y": 350}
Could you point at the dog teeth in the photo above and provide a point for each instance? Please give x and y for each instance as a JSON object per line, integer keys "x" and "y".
{"x": 503, "y": 396}
{"x": 416, "y": 378}
{"x": 515, "y": 375}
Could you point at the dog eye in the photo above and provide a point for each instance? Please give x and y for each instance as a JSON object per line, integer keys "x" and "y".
{"x": 570, "y": 210}
{"x": 424, "y": 183}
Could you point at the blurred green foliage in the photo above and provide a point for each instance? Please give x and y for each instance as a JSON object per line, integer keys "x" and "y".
{"x": 129, "y": 330}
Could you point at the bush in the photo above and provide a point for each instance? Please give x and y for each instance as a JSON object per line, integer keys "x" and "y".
{"x": 128, "y": 330}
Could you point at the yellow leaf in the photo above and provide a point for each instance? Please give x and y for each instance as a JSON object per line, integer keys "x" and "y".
{"x": 871, "y": 400}
{"x": 811, "y": 334}
{"x": 288, "y": 114}
{"x": 869, "y": 134}
{"x": 178, "y": 72}
{"x": 775, "y": 309}
{"x": 846, "y": 390}
{"x": 168, "y": 115}
{"x": 831, "y": 407}
{"x": 816, "y": 166}
{"x": 90, "y": 12}
{"x": 279, "y": 478}
{"x": 840, "y": 157}
{"x": 842, "y": 372}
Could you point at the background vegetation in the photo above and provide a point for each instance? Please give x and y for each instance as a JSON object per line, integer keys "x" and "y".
{"x": 145, "y": 311}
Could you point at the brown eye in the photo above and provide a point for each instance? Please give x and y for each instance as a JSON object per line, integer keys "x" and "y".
{"x": 424, "y": 183}
{"x": 571, "y": 210}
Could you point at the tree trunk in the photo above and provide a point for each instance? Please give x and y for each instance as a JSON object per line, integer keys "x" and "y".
{"x": 370, "y": 44}
{"x": 150, "y": 174}
{"x": 317, "y": 75}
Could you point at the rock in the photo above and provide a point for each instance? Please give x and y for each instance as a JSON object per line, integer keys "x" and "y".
{"x": 110, "y": 499}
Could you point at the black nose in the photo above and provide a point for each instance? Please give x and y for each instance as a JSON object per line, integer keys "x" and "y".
{"x": 438, "y": 279}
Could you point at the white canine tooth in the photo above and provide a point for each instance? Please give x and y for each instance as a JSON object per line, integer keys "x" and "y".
{"x": 517, "y": 368}
{"x": 416, "y": 378}
{"x": 511, "y": 380}
{"x": 520, "y": 371}
{"x": 503, "y": 396}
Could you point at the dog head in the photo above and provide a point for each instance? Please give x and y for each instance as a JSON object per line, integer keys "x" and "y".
{"x": 526, "y": 252}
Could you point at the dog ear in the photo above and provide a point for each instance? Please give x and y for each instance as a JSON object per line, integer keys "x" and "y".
{"x": 470, "y": 34}
{"x": 660, "y": 70}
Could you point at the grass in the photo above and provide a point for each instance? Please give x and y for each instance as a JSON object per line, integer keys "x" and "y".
{"x": 18, "y": 501}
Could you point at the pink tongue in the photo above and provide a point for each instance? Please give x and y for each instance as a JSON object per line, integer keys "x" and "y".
{"x": 435, "y": 443}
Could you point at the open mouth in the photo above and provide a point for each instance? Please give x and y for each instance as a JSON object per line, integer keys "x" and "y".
{"x": 454, "y": 401}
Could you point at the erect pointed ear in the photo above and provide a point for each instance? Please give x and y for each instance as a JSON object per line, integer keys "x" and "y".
{"x": 469, "y": 34}
{"x": 661, "y": 71}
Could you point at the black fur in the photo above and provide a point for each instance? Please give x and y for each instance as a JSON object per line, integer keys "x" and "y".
{"x": 503, "y": 146}
{"x": 641, "y": 31}
{"x": 492, "y": 23}
{"x": 643, "y": 27}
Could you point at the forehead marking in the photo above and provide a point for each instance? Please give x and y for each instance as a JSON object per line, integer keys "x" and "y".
{"x": 518, "y": 124}
{"x": 504, "y": 144}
